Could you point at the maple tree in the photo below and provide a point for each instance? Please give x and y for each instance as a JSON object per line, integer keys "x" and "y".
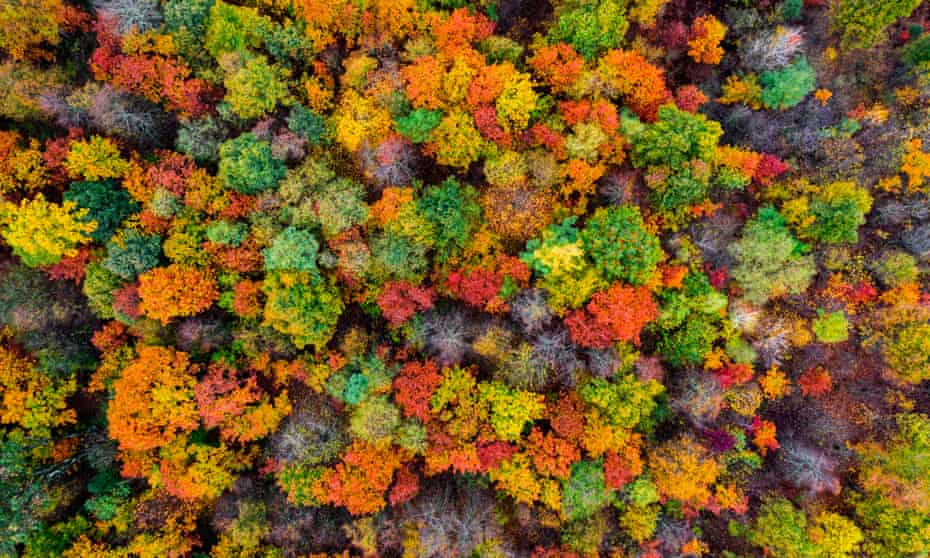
{"x": 153, "y": 400}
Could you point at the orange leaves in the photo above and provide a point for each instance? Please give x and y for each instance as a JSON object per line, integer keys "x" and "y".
{"x": 359, "y": 482}
{"x": 551, "y": 454}
{"x": 559, "y": 65}
{"x": 764, "y": 435}
{"x": 642, "y": 85}
{"x": 424, "y": 82}
{"x": 816, "y": 382}
{"x": 154, "y": 400}
{"x": 236, "y": 405}
{"x": 683, "y": 470}
{"x": 704, "y": 44}
{"x": 618, "y": 314}
{"x": 414, "y": 386}
{"x": 176, "y": 290}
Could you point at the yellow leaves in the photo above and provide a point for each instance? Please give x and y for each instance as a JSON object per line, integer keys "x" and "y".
{"x": 516, "y": 102}
{"x": 683, "y": 470}
{"x": 742, "y": 90}
{"x": 516, "y": 478}
{"x": 704, "y": 48}
{"x": 775, "y": 384}
{"x": 21, "y": 168}
{"x": 32, "y": 399}
{"x": 41, "y": 233}
{"x": 95, "y": 159}
{"x": 359, "y": 119}
{"x": 916, "y": 165}
{"x": 823, "y": 95}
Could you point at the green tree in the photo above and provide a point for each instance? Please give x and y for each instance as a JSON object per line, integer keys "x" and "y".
{"x": 863, "y": 22}
{"x": 454, "y": 211}
{"x": 132, "y": 253}
{"x": 256, "y": 88}
{"x": 247, "y": 166}
{"x": 622, "y": 249}
{"x": 675, "y": 138}
{"x": 303, "y": 306}
{"x": 106, "y": 203}
{"x": 585, "y": 493}
{"x": 785, "y": 88}
{"x": 770, "y": 261}
{"x": 292, "y": 249}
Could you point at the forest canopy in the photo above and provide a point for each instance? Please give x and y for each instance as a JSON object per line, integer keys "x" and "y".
{"x": 449, "y": 278}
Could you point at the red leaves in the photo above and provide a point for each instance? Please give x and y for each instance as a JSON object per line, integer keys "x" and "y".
{"x": 734, "y": 374}
{"x": 815, "y": 382}
{"x": 366, "y": 472}
{"x": 400, "y": 300}
{"x": 414, "y": 386}
{"x": 406, "y": 486}
{"x": 551, "y": 454}
{"x": 770, "y": 168}
{"x": 483, "y": 288}
{"x": 157, "y": 78}
{"x": 618, "y": 314}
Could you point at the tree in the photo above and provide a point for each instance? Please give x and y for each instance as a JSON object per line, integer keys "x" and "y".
{"x": 629, "y": 74}
{"x": 770, "y": 260}
{"x": 303, "y": 306}
{"x": 831, "y": 328}
{"x": 106, "y": 203}
{"x": 454, "y": 212}
{"x": 247, "y": 166}
{"x": 41, "y": 233}
{"x": 131, "y": 253}
{"x": 676, "y": 138}
{"x": 683, "y": 470}
{"x": 400, "y": 300}
{"x": 785, "y": 88}
{"x": 455, "y": 141}
{"x": 292, "y": 249}
{"x": 832, "y": 215}
{"x": 863, "y": 23}
{"x": 585, "y": 493}
{"x": 591, "y": 28}
{"x": 153, "y": 400}
{"x": 782, "y": 530}
{"x": 27, "y": 25}
{"x": 704, "y": 45}
{"x": 256, "y": 88}
{"x": 621, "y": 247}
{"x": 360, "y": 481}
{"x": 95, "y": 159}
{"x": 175, "y": 291}
{"x": 621, "y": 312}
